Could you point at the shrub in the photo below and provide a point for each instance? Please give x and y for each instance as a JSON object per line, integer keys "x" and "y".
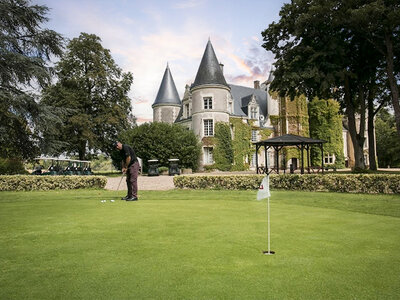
{"x": 162, "y": 141}
{"x": 44, "y": 183}
{"x": 12, "y": 166}
{"x": 349, "y": 183}
{"x": 163, "y": 169}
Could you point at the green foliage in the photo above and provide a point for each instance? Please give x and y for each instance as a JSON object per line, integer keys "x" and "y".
{"x": 11, "y": 166}
{"x": 387, "y": 140}
{"x": 162, "y": 169}
{"x": 241, "y": 143}
{"x": 95, "y": 90}
{"x": 265, "y": 133}
{"x": 326, "y": 57}
{"x": 25, "y": 51}
{"x": 163, "y": 141}
{"x": 45, "y": 183}
{"x": 102, "y": 163}
{"x": 326, "y": 124}
{"x": 363, "y": 183}
{"x": 223, "y": 150}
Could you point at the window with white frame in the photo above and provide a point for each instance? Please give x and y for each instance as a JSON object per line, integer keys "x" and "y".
{"x": 329, "y": 159}
{"x": 254, "y": 135}
{"x": 253, "y": 160}
{"x": 208, "y": 155}
{"x": 207, "y": 102}
{"x": 208, "y": 127}
{"x": 253, "y": 113}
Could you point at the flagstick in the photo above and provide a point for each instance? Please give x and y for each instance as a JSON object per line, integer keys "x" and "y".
{"x": 269, "y": 231}
{"x": 269, "y": 252}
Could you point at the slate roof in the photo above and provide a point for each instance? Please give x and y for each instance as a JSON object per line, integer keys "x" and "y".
{"x": 241, "y": 97}
{"x": 167, "y": 93}
{"x": 209, "y": 71}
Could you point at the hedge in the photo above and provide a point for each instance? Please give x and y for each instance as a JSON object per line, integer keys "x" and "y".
{"x": 345, "y": 183}
{"x": 44, "y": 183}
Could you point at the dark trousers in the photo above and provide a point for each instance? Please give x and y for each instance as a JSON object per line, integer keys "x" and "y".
{"x": 131, "y": 179}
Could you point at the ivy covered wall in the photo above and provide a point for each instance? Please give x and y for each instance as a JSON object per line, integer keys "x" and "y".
{"x": 223, "y": 150}
{"x": 326, "y": 124}
{"x": 241, "y": 142}
{"x": 320, "y": 119}
{"x": 293, "y": 119}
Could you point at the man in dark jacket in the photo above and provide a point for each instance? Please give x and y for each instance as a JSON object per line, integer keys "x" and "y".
{"x": 130, "y": 166}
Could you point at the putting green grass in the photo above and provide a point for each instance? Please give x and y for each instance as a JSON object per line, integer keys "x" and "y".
{"x": 198, "y": 245}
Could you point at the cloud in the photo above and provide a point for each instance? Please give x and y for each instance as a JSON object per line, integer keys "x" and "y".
{"x": 255, "y": 65}
{"x": 188, "y": 4}
{"x": 145, "y": 47}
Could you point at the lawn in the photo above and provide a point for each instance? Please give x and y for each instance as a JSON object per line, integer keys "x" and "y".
{"x": 198, "y": 245}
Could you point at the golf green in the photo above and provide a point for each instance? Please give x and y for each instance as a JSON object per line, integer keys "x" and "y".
{"x": 185, "y": 244}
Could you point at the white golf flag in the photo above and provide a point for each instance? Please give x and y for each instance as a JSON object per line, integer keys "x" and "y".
{"x": 263, "y": 191}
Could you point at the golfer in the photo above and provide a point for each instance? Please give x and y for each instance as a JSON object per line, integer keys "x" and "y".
{"x": 130, "y": 166}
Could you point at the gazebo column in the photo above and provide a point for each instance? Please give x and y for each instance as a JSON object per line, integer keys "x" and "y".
{"x": 308, "y": 158}
{"x": 277, "y": 159}
{"x": 266, "y": 159}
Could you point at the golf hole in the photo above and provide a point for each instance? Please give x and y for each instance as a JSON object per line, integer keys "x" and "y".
{"x": 268, "y": 253}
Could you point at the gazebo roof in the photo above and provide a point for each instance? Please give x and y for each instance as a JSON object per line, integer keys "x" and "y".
{"x": 289, "y": 140}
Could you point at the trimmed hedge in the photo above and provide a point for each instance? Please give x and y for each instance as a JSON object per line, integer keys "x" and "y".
{"x": 345, "y": 183}
{"x": 44, "y": 183}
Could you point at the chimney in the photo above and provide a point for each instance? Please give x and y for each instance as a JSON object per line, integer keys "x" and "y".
{"x": 222, "y": 67}
{"x": 257, "y": 84}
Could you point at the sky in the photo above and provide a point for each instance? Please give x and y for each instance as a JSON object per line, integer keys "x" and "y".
{"x": 143, "y": 36}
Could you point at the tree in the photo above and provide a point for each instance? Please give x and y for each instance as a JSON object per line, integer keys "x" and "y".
{"x": 94, "y": 89}
{"x": 25, "y": 51}
{"x": 378, "y": 22}
{"x": 387, "y": 140}
{"x": 163, "y": 141}
{"x": 319, "y": 54}
{"x": 223, "y": 151}
{"x": 326, "y": 124}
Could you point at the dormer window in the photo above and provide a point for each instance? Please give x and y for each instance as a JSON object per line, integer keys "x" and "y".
{"x": 253, "y": 112}
{"x": 207, "y": 102}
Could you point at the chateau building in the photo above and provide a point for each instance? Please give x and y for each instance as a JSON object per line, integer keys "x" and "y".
{"x": 210, "y": 99}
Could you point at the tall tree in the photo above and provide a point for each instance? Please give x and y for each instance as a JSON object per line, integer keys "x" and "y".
{"x": 378, "y": 22}
{"x": 25, "y": 51}
{"x": 95, "y": 89}
{"x": 319, "y": 55}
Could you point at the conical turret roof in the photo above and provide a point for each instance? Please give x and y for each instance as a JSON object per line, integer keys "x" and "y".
{"x": 167, "y": 93}
{"x": 209, "y": 71}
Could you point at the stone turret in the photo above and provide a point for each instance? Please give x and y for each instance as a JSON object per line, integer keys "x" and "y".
{"x": 167, "y": 104}
{"x": 210, "y": 100}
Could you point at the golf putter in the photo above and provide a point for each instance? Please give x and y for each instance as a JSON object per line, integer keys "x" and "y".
{"x": 120, "y": 182}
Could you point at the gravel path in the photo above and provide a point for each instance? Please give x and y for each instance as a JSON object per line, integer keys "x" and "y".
{"x": 145, "y": 183}
{"x": 162, "y": 183}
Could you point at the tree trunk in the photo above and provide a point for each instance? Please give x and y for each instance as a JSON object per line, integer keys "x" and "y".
{"x": 371, "y": 135}
{"x": 82, "y": 150}
{"x": 392, "y": 80}
{"x": 357, "y": 139}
